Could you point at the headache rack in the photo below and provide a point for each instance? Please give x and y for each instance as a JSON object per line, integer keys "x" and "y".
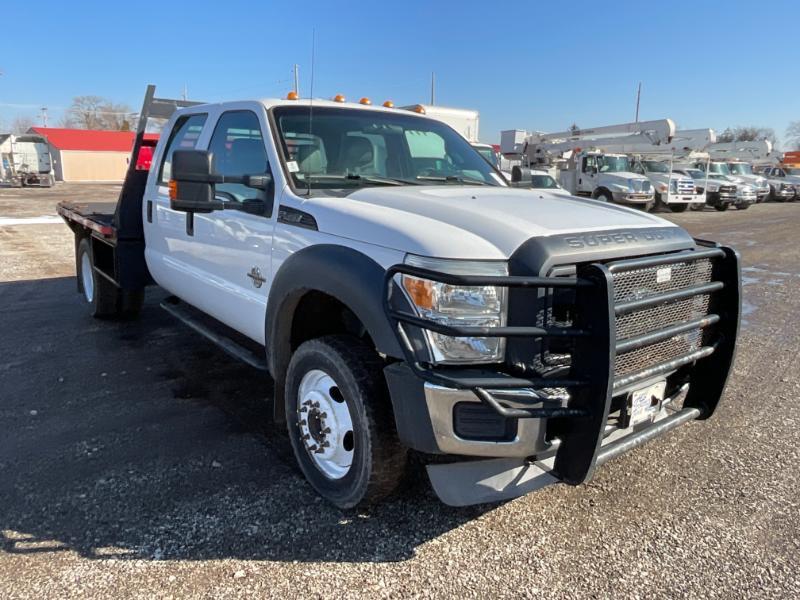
{"x": 632, "y": 321}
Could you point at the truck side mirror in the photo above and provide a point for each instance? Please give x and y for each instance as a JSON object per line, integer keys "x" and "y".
{"x": 191, "y": 188}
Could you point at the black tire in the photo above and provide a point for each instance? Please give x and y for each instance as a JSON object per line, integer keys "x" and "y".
{"x": 604, "y": 196}
{"x": 698, "y": 207}
{"x": 106, "y": 301}
{"x": 378, "y": 460}
{"x": 678, "y": 208}
{"x": 743, "y": 206}
{"x": 721, "y": 207}
{"x": 101, "y": 295}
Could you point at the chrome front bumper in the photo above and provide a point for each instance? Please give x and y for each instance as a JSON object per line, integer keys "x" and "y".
{"x": 441, "y": 402}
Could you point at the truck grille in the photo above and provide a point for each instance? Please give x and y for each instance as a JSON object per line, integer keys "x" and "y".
{"x": 640, "y": 284}
{"x": 686, "y": 186}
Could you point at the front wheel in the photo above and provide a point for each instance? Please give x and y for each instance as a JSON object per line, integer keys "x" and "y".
{"x": 678, "y": 208}
{"x": 742, "y": 206}
{"x": 340, "y": 421}
{"x": 603, "y": 196}
{"x": 721, "y": 207}
{"x": 697, "y": 206}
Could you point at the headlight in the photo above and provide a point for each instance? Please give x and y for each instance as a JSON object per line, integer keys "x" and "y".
{"x": 461, "y": 306}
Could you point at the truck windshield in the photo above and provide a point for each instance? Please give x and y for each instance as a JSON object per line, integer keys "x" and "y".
{"x": 720, "y": 168}
{"x": 543, "y": 181}
{"x": 653, "y": 166}
{"x": 613, "y": 164}
{"x": 347, "y": 148}
{"x": 740, "y": 168}
{"x": 489, "y": 154}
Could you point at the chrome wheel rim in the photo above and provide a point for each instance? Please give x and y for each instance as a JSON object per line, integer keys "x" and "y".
{"x": 87, "y": 280}
{"x": 325, "y": 424}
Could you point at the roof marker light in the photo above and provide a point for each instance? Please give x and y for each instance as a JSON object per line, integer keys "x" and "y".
{"x": 339, "y": 98}
{"x": 292, "y": 96}
{"x": 365, "y": 100}
{"x": 419, "y": 109}
{"x": 388, "y": 104}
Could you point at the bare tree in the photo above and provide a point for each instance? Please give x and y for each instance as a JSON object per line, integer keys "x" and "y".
{"x": 748, "y": 133}
{"x": 793, "y": 135}
{"x": 96, "y": 112}
{"x": 21, "y": 124}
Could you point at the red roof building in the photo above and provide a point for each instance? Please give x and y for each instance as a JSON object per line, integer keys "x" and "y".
{"x": 88, "y": 155}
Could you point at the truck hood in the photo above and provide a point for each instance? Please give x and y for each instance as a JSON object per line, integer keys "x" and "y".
{"x": 466, "y": 222}
{"x": 755, "y": 180}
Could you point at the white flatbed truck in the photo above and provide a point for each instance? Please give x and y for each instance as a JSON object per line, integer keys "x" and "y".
{"x": 404, "y": 298}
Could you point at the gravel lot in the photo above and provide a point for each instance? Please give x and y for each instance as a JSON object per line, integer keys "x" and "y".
{"x": 136, "y": 460}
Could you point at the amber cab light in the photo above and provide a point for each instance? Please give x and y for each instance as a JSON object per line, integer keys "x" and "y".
{"x": 365, "y": 101}
{"x": 389, "y": 104}
{"x": 292, "y": 96}
{"x": 339, "y": 98}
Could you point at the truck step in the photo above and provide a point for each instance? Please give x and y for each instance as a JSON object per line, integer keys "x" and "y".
{"x": 216, "y": 332}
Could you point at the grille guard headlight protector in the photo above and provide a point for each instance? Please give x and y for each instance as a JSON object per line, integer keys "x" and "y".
{"x": 458, "y": 305}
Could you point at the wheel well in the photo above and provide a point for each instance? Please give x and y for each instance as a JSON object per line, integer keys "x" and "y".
{"x": 602, "y": 190}
{"x": 318, "y": 314}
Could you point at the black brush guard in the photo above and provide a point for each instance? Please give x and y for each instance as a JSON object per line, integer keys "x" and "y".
{"x": 591, "y": 382}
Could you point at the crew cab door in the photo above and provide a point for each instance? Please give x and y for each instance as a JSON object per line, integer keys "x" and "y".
{"x": 232, "y": 247}
{"x": 217, "y": 261}
{"x": 588, "y": 176}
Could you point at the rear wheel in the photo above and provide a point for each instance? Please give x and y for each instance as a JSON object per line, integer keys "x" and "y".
{"x": 340, "y": 422}
{"x": 104, "y": 298}
{"x": 742, "y": 206}
{"x": 678, "y": 208}
{"x": 721, "y": 207}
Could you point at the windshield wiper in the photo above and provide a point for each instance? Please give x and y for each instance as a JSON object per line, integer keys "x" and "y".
{"x": 360, "y": 178}
{"x": 452, "y": 179}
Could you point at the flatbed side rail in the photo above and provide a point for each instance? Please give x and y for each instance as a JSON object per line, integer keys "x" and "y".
{"x": 68, "y": 214}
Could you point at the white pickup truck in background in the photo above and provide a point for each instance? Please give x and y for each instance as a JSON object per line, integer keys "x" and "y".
{"x": 404, "y": 298}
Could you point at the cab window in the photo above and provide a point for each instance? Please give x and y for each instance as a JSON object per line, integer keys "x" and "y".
{"x": 589, "y": 164}
{"x": 184, "y": 136}
{"x": 237, "y": 148}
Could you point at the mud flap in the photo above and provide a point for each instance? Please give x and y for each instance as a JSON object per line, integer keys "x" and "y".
{"x": 483, "y": 481}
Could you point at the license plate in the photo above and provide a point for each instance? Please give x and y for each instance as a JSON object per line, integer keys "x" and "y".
{"x": 645, "y": 403}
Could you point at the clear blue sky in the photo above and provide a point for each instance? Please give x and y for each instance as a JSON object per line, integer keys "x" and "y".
{"x": 532, "y": 65}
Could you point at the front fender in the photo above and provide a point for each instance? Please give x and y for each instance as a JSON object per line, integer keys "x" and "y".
{"x": 348, "y": 275}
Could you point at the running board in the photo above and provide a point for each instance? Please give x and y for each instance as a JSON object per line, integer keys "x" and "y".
{"x": 226, "y": 344}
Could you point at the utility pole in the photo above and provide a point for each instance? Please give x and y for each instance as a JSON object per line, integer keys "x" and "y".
{"x": 185, "y": 92}
{"x": 433, "y": 88}
{"x": 296, "y": 81}
{"x": 44, "y": 116}
{"x": 638, "y": 97}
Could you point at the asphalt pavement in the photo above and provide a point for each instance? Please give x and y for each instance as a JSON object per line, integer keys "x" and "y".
{"x": 139, "y": 461}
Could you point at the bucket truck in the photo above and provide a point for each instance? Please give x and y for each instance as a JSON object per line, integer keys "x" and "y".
{"x": 589, "y": 162}
{"x": 739, "y": 157}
